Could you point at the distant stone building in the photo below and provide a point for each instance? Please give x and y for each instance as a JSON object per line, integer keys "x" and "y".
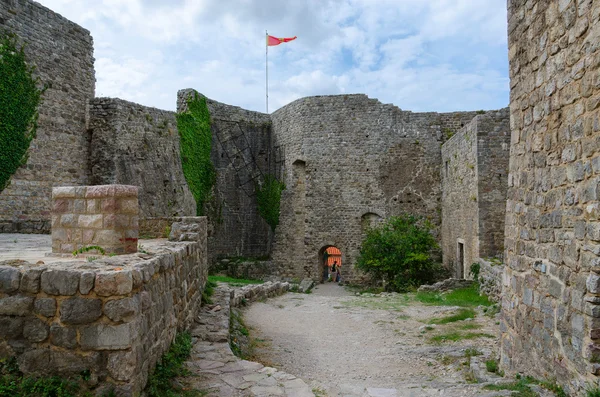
{"x": 474, "y": 184}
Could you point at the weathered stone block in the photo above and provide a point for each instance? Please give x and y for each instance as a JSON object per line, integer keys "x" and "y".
{"x": 80, "y": 310}
{"x": 123, "y": 365}
{"x": 113, "y": 283}
{"x": 16, "y": 305}
{"x": 106, "y": 337}
{"x": 90, "y": 221}
{"x": 86, "y": 282}
{"x": 593, "y": 283}
{"x": 45, "y": 306}
{"x": 35, "y": 330}
{"x": 64, "y": 192}
{"x": 63, "y": 336}
{"x": 60, "y": 282}
{"x": 122, "y": 309}
{"x": 9, "y": 279}
{"x": 11, "y": 327}
{"x": 30, "y": 282}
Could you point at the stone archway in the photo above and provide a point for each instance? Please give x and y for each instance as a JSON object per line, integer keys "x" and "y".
{"x": 328, "y": 254}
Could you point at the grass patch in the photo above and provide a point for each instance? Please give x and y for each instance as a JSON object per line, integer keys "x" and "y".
{"x": 471, "y": 352}
{"x": 395, "y": 303}
{"x": 169, "y": 367}
{"x": 491, "y": 366}
{"x": 235, "y": 282}
{"x": 209, "y": 290}
{"x": 461, "y": 315}
{"x": 522, "y": 389}
{"x": 464, "y": 297}
{"x": 470, "y": 325}
{"x": 455, "y": 336}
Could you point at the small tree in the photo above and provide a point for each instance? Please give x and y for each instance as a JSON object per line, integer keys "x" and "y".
{"x": 399, "y": 252}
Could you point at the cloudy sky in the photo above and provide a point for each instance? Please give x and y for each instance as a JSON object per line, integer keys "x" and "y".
{"x": 421, "y": 55}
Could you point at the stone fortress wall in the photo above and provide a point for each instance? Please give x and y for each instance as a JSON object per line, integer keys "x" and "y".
{"x": 351, "y": 161}
{"x": 551, "y": 291}
{"x": 62, "y": 53}
{"x": 474, "y": 183}
{"x": 138, "y": 145}
{"x": 242, "y": 152}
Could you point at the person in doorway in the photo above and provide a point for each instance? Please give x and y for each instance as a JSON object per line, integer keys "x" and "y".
{"x": 334, "y": 271}
{"x": 338, "y": 278}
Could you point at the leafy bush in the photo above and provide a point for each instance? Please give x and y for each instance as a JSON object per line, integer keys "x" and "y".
{"x": 399, "y": 252}
{"x": 19, "y": 100}
{"x": 474, "y": 271}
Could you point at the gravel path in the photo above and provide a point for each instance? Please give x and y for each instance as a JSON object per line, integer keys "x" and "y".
{"x": 346, "y": 345}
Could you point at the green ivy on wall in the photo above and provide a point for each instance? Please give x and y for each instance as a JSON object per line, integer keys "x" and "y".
{"x": 268, "y": 197}
{"x": 19, "y": 100}
{"x": 195, "y": 147}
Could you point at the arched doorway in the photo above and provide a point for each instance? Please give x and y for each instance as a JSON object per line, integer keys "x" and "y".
{"x": 330, "y": 257}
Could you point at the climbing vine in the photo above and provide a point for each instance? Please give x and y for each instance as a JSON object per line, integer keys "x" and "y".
{"x": 195, "y": 147}
{"x": 268, "y": 197}
{"x": 19, "y": 100}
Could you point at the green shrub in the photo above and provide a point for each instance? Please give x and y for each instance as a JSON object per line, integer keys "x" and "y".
{"x": 399, "y": 251}
{"x": 491, "y": 365}
{"x": 474, "y": 270}
{"x": 19, "y": 100}
{"x": 169, "y": 367}
{"x": 268, "y": 198}
{"x": 195, "y": 147}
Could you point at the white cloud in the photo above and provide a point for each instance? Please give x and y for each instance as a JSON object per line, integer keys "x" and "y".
{"x": 434, "y": 55}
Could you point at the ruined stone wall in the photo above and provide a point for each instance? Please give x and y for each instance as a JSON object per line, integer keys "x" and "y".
{"x": 114, "y": 316}
{"x": 493, "y": 142}
{"x": 551, "y": 291}
{"x": 62, "y": 53}
{"x": 351, "y": 161}
{"x": 474, "y": 171}
{"x": 242, "y": 152}
{"x": 137, "y": 145}
{"x": 460, "y": 209}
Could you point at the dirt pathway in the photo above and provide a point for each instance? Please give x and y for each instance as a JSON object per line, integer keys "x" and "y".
{"x": 347, "y": 345}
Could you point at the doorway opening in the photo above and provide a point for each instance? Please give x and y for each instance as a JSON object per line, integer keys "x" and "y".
{"x": 461, "y": 260}
{"x": 330, "y": 263}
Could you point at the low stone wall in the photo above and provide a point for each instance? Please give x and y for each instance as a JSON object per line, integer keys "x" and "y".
{"x": 255, "y": 292}
{"x": 114, "y": 316}
{"x": 104, "y": 216}
{"x": 490, "y": 278}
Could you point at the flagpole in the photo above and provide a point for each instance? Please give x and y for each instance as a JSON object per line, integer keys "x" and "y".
{"x": 267, "y": 69}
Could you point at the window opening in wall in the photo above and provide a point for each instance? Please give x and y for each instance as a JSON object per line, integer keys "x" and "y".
{"x": 447, "y": 168}
{"x": 331, "y": 264}
{"x": 461, "y": 261}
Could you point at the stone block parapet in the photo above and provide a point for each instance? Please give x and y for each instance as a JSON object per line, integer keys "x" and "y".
{"x": 254, "y": 292}
{"x": 105, "y": 216}
{"x": 114, "y": 316}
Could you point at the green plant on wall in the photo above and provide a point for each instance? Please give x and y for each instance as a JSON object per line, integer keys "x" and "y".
{"x": 19, "y": 100}
{"x": 195, "y": 147}
{"x": 268, "y": 198}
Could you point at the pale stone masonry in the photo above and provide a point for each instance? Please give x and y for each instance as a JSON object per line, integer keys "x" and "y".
{"x": 138, "y": 145}
{"x": 114, "y": 316}
{"x": 104, "y": 216}
{"x": 551, "y": 293}
{"x": 474, "y": 171}
{"x": 63, "y": 56}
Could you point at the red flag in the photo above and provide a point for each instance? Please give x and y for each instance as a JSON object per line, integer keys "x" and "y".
{"x": 272, "y": 40}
